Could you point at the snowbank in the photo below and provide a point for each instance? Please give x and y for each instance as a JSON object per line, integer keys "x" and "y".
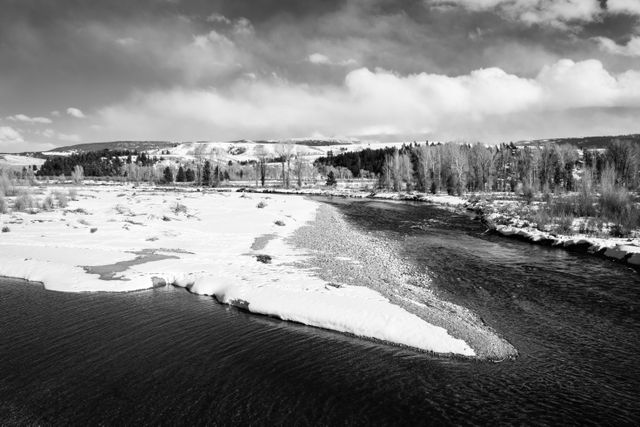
{"x": 624, "y": 250}
{"x": 117, "y": 239}
{"x": 412, "y": 196}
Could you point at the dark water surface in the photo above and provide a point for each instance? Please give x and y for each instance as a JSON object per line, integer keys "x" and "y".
{"x": 167, "y": 357}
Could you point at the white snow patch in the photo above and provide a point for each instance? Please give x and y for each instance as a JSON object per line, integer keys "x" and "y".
{"x": 212, "y": 243}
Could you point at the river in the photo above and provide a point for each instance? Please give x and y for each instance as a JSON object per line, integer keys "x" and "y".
{"x": 166, "y": 357}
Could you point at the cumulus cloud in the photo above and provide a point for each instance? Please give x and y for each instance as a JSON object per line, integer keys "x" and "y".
{"x": 26, "y": 119}
{"x": 558, "y": 13}
{"x": 631, "y": 7}
{"x": 318, "y": 58}
{"x": 218, "y": 18}
{"x": 9, "y": 135}
{"x": 75, "y": 112}
{"x": 632, "y": 48}
{"x": 321, "y": 59}
{"x": 372, "y": 102}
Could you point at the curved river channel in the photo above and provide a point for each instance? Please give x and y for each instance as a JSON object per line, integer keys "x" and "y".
{"x": 167, "y": 357}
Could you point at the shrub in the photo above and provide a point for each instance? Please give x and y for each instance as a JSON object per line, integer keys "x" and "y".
{"x": 24, "y": 202}
{"x": 62, "y": 199}
{"x": 6, "y": 229}
{"x": 280, "y": 223}
{"x": 261, "y": 205}
{"x": 77, "y": 175}
{"x": 615, "y": 203}
{"x": 179, "y": 208}
{"x": 94, "y": 229}
{"x": 265, "y": 259}
{"x": 527, "y": 193}
{"x": 564, "y": 225}
{"x": 4, "y": 208}
{"x": 541, "y": 218}
{"x": 7, "y": 186}
{"x": 47, "y": 203}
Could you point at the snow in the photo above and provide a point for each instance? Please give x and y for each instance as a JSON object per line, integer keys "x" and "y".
{"x": 210, "y": 250}
{"x": 246, "y": 150}
{"x": 440, "y": 199}
{"x": 15, "y": 160}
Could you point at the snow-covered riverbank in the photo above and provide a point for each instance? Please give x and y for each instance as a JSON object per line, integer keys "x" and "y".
{"x": 621, "y": 249}
{"x": 118, "y": 239}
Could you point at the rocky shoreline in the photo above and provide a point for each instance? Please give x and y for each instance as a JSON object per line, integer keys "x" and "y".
{"x": 621, "y": 250}
{"x": 343, "y": 255}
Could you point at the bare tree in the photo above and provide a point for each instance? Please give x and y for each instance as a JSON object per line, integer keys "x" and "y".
{"x": 261, "y": 165}
{"x": 286, "y": 153}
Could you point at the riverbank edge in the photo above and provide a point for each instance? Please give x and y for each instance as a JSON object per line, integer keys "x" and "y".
{"x": 357, "y": 256}
{"x": 619, "y": 250}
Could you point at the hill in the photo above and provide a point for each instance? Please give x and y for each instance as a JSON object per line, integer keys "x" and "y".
{"x": 114, "y": 145}
{"x": 588, "y": 142}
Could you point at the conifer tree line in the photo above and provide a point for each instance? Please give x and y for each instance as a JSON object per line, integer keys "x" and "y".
{"x": 95, "y": 163}
{"x": 459, "y": 168}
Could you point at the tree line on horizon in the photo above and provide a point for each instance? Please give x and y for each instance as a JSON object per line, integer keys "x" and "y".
{"x": 460, "y": 168}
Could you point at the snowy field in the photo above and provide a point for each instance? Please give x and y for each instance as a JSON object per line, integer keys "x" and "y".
{"x": 119, "y": 239}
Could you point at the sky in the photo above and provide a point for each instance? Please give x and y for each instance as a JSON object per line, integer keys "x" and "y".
{"x": 75, "y": 71}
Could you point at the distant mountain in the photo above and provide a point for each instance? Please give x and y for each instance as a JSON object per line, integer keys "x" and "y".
{"x": 589, "y": 142}
{"x": 116, "y": 145}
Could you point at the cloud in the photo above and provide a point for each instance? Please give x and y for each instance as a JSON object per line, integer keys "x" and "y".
{"x": 218, "y": 18}
{"x": 321, "y": 59}
{"x": 318, "y": 58}
{"x": 75, "y": 112}
{"x": 632, "y": 48}
{"x": 373, "y": 102}
{"x": 26, "y": 119}
{"x": 557, "y": 13}
{"x": 631, "y": 7}
{"x": 9, "y": 135}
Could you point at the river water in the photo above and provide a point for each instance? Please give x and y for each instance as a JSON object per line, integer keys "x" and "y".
{"x": 166, "y": 357}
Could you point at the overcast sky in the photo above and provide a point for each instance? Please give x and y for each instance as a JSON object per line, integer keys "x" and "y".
{"x": 182, "y": 70}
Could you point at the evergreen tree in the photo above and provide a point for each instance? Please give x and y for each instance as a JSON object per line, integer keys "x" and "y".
{"x": 180, "y": 177}
{"x": 190, "y": 175}
{"x": 168, "y": 175}
{"x": 331, "y": 179}
{"x": 206, "y": 173}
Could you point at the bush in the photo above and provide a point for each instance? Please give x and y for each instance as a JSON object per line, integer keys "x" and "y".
{"x": 47, "y": 203}
{"x": 527, "y": 193}
{"x": 265, "y": 259}
{"x": 542, "y": 219}
{"x": 77, "y": 175}
{"x": 564, "y": 225}
{"x": 261, "y": 205}
{"x": 7, "y": 186}
{"x": 6, "y": 229}
{"x": 4, "y": 207}
{"x": 24, "y": 202}
{"x": 179, "y": 208}
{"x": 62, "y": 199}
{"x": 280, "y": 223}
